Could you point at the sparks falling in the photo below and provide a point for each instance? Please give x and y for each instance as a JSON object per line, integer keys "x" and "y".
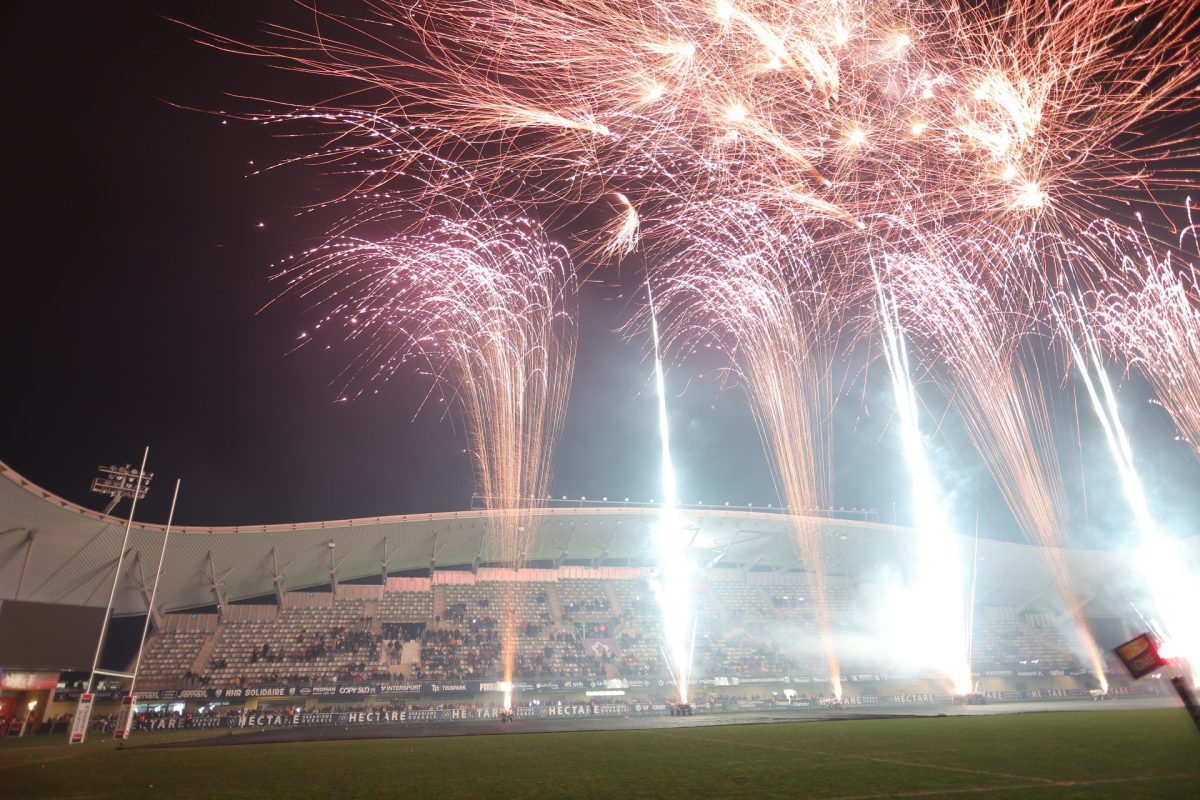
{"x": 744, "y": 283}
{"x": 487, "y": 306}
{"x": 941, "y": 618}
{"x": 1174, "y": 588}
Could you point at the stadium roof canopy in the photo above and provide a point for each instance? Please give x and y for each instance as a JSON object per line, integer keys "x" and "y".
{"x": 55, "y": 551}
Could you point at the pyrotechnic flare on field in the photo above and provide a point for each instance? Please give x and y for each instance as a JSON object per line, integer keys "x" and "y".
{"x": 674, "y": 584}
{"x": 941, "y": 618}
{"x": 489, "y": 304}
{"x": 1174, "y": 591}
{"x": 1156, "y": 323}
{"x": 992, "y": 374}
{"x": 741, "y": 282}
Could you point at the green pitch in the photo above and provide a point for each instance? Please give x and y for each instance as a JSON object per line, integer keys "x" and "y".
{"x": 1097, "y": 754}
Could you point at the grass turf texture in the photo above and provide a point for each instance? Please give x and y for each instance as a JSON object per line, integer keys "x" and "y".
{"x": 1097, "y": 754}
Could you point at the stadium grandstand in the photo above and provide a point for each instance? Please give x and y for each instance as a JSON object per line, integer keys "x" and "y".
{"x": 403, "y": 611}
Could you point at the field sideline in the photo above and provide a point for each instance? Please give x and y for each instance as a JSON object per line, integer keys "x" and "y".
{"x": 1093, "y": 754}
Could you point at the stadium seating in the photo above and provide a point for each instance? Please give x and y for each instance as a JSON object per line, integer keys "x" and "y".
{"x": 303, "y": 645}
{"x": 169, "y": 657}
{"x": 747, "y": 625}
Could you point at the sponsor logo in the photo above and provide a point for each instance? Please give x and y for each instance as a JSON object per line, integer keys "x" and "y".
{"x": 374, "y": 716}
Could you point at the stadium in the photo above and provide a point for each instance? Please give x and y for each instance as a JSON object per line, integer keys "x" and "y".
{"x": 375, "y": 630}
{"x": 919, "y": 279}
{"x": 366, "y": 623}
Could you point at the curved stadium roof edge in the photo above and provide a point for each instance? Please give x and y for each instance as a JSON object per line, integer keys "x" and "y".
{"x": 55, "y": 551}
{"x": 740, "y": 512}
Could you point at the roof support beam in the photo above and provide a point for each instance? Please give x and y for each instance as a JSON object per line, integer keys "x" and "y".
{"x": 386, "y": 560}
{"x": 216, "y": 585}
{"x": 798, "y": 562}
{"x": 604, "y": 551}
{"x": 74, "y": 557}
{"x": 333, "y": 566}
{"x": 479, "y": 551}
{"x": 1080, "y": 606}
{"x": 278, "y": 579}
{"x": 105, "y": 572}
{"x": 724, "y": 550}
{"x": 564, "y": 548}
{"x": 434, "y": 552}
{"x": 1033, "y": 598}
{"x": 16, "y": 547}
{"x": 25, "y": 564}
{"x": 146, "y": 591}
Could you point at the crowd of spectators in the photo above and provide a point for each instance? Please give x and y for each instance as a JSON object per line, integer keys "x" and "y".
{"x": 562, "y": 658}
{"x": 470, "y": 652}
{"x": 572, "y": 608}
{"x": 312, "y": 647}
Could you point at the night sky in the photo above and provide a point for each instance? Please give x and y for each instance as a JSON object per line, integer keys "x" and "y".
{"x": 139, "y": 245}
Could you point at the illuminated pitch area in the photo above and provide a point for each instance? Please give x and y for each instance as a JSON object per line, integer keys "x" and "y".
{"x": 1118, "y": 754}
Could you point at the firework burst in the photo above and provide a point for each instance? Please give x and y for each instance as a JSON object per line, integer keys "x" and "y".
{"x": 762, "y": 154}
{"x": 993, "y": 374}
{"x": 718, "y": 290}
{"x": 488, "y": 304}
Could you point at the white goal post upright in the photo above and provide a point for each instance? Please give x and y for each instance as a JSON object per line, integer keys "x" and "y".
{"x": 125, "y": 725}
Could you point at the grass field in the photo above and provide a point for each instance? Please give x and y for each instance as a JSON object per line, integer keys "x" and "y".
{"x": 1098, "y": 754}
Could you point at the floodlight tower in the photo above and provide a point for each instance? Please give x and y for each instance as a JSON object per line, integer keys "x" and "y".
{"x": 121, "y": 482}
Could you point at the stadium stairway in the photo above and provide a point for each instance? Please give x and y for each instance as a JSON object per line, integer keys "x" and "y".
{"x": 370, "y": 611}
{"x": 439, "y": 603}
{"x": 555, "y": 603}
{"x": 411, "y": 654}
{"x": 200, "y": 664}
{"x": 614, "y": 602}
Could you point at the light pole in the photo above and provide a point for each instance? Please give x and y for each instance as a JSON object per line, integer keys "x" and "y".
{"x": 121, "y": 482}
